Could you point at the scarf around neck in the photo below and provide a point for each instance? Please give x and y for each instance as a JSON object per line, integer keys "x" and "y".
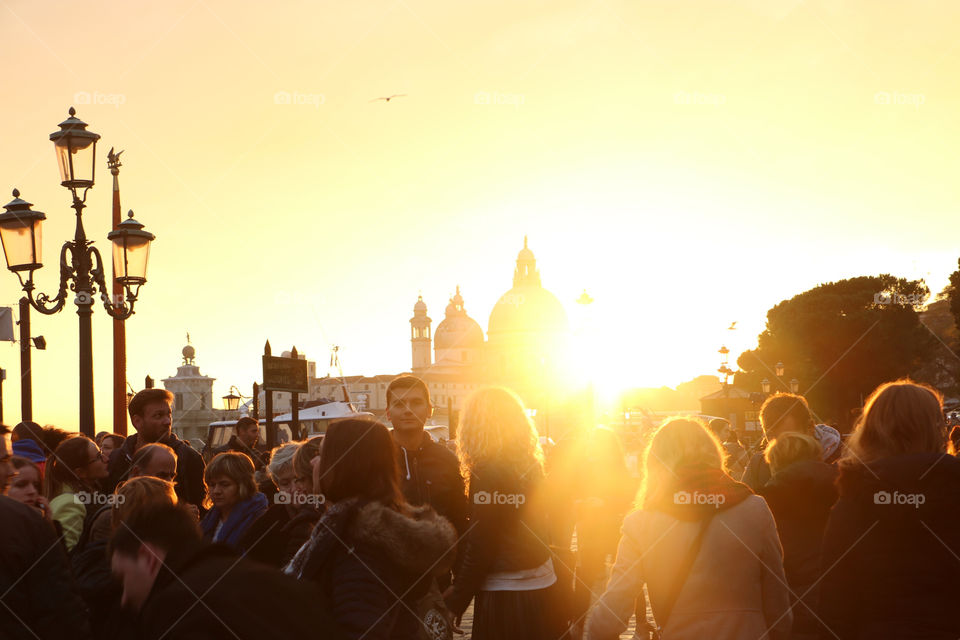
{"x": 239, "y": 520}
{"x": 695, "y": 492}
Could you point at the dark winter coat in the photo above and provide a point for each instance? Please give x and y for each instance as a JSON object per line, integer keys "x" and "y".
{"x": 39, "y": 599}
{"x": 430, "y": 475}
{"x": 241, "y": 518}
{"x": 189, "y": 483}
{"x": 278, "y": 534}
{"x": 367, "y": 558}
{"x": 891, "y": 549}
{"x": 502, "y": 536}
{"x": 240, "y": 600}
{"x": 800, "y": 497}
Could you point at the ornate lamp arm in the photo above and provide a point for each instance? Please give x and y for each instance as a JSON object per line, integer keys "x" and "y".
{"x": 120, "y": 310}
{"x": 43, "y": 303}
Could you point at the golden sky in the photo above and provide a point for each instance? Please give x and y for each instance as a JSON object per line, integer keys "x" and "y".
{"x": 687, "y": 163}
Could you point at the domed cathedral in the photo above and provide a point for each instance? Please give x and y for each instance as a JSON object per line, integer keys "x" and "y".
{"x": 526, "y": 342}
{"x": 527, "y": 336}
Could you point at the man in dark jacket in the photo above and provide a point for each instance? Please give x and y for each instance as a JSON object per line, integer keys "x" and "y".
{"x": 244, "y": 441}
{"x": 37, "y": 595}
{"x": 151, "y": 412}
{"x": 780, "y": 413}
{"x": 429, "y": 472}
{"x": 183, "y": 588}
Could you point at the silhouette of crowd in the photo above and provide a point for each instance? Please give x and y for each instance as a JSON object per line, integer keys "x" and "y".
{"x": 383, "y": 533}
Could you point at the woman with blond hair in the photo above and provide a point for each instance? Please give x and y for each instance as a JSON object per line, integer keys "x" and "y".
{"x": 705, "y": 547}
{"x": 232, "y": 497}
{"x": 893, "y": 538}
{"x": 506, "y": 567}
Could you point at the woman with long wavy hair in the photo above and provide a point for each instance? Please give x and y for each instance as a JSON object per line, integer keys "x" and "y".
{"x": 893, "y": 538}
{"x": 507, "y": 567}
{"x": 705, "y": 547}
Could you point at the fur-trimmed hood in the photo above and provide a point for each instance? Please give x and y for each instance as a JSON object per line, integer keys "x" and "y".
{"x": 415, "y": 541}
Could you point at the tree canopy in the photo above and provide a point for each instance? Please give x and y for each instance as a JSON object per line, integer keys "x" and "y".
{"x": 840, "y": 340}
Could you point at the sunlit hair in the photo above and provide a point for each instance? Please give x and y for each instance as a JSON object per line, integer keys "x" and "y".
{"x": 137, "y": 492}
{"x": 305, "y": 453}
{"x": 63, "y": 465}
{"x": 494, "y": 427}
{"x": 234, "y": 466}
{"x": 281, "y": 458}
{"x": 791, "y": 447}
{"x": 781, "y": 406}
{"x": 679, "y": 442}
{"x": 899, "y": 417}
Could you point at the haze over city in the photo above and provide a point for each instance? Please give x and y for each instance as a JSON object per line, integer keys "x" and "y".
{"x": 688, "y": 165}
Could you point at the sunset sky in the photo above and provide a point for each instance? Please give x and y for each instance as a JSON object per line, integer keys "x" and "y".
{"x": 689, "y": 164}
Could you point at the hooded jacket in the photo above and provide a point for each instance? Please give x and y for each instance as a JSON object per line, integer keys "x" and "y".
{"x": 367, "y": 558}
{"x": 891, "y": 549}
{"x": 189, "y": 483}
{"x": 430, "y": 474}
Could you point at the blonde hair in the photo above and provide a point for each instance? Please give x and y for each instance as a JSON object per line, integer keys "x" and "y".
{"x": 899, "y": 417}
{"x": 137, "y": 492}
{"x": 679, "y": 442}
{"x": 235, "y": 466}
{"x": 494, "y": 426}
{"x": 281, "y": 458}
{"x": 790, "y": 447}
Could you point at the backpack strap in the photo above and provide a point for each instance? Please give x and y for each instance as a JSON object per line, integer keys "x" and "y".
{"x": 665, "y": 608}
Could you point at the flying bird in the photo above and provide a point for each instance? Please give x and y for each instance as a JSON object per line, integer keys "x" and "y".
{"x": 389, "y": 98}
{"x": 733, "y": 325}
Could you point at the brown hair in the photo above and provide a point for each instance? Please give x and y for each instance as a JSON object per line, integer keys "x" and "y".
{"x": 408, "y": 382}
{"x": 19, "y": 462}
{"x": 899, "y": 417}
{"x": 71, "y": 455}
{"x": 233, "y": 465}
{"x": 245, "y": 421}
{"x": 140, "y": 401}
{"x": 791, "y": 447}
{"x": 359, "y": 461}
{"x": 137, "y": 492}
{"x": 781, "y": 406}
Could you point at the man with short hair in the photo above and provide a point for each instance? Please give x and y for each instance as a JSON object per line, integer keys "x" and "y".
{"x": 429, "y": 472}
{"x": 151, "y": 412}
{"x": 184, "y": 588}
{"x": 780, "y": 413}
{"x": 244, "y": 440}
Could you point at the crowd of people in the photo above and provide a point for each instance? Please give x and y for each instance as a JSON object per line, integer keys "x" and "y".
{"x": 378, "y": 532}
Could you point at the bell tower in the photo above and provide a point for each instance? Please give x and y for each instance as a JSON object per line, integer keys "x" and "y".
{"x": 420, "y": 339}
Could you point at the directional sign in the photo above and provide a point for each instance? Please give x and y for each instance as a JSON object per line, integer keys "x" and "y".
{"x": 285, "y": 374}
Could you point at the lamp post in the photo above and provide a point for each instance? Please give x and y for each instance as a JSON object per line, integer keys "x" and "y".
{"x": 231, "y": 401}
{"x": 81, "y": 267}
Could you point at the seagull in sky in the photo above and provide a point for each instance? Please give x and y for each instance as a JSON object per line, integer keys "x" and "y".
{"x": 389, "y": 98}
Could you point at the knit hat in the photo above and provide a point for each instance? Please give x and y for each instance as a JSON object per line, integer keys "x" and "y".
{"x": 829, "y": 439}
{"x": 30, "y": 450}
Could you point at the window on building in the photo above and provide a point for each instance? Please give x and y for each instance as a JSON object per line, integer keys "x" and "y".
{"x": 178, "y": 402}
{"x": 203, "y": 401}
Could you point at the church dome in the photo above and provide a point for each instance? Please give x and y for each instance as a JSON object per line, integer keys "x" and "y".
{"x": 420, "y": 308}
{"x": 527, "y": 307}
{"x": 457, "y": 330}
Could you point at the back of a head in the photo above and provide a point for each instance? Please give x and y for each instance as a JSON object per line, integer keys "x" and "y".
{"x": 61, "y": 468}
{"x": 138, "y": 492}
{"x": 783, "y": 412}
{"x": 147, "y": 452}
{"x": 359, "y": 461}
{"x": 899, "y": 418}
{"x": 678, "y": 443}
{"x": 789, "y": 448}
{"x": 28, "y": 430}
{"x": 281, "y": 458}
{"x": 166, "y": 526}
{"x": 494, "y": 427}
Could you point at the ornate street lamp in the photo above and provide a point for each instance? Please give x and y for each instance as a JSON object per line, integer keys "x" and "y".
{"x": 231, "y": 401}
{"x": 794, "y": 386}
{"x": 765, "y": 385}
{"x": 81, "y": 267}
{"x": 778, "y": 368}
